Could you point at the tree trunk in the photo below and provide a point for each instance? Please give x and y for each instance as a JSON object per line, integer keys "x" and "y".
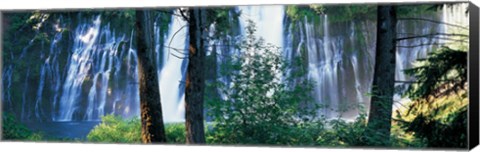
{"x": 379, "y": 121}
{"x": 151, "y": 109}
{"x": 195, "y": 81}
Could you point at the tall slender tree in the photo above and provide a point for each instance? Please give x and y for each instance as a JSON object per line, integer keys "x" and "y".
{"x": 153, "y": 130}
{"x": 380, "y": 115}
{"x": 195, "y": 80}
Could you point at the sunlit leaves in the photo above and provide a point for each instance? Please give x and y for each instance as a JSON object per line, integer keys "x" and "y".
{"x": 442, "y": 73}
{"x": 115, "y": 129}
{"x": 440, "y": 102}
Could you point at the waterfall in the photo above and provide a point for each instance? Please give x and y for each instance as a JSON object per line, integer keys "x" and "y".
{"x": 92, "y": 70}
{"x": 268, "y": 26}
{"x": 79, "y": 66}
{"x": 341, "y": 57}
{"x": 49, "y": 67}
{"x": 406, "y": 55}
{"x": 89, "y": 70}
{"x": 6, "y": 95}
{"x": 457, "y": 22}
{"x": 325, "y": 65}
{"x": 24, "y": 113}
{"x": 268, "y": 20}
{"x": 172, "y": 74}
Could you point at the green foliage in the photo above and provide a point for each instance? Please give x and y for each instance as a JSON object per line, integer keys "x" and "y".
{"x": 13, "y": 130}
{"x": 346, "y": 13}
{"x": 296, "y": 12}
{"x": 264, "y": 103}
{"x": 442, "y": 73}
{"x": 115, "y": 129}
{"x": 440, "y": 103}
{"x": 342, "y": 133}
{"x": 410, "y": 10}
{"x": 433, "y": 124}
{"x": 436, "y": 131}
{"x": 175, "y": 133}
{"x": 403, "y": 139}
{"x": 224, "y": 19}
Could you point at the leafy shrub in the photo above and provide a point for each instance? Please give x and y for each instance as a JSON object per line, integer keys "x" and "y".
{"x": 435, "y": 125}
{"x": 175, "y": 133}
{"x": 440, "y": 103}
{"x": 345, "y": 133}
{"x": 13, "y": 130}
{"x": 115, "y": 129}
{"x": 268, "y": 100}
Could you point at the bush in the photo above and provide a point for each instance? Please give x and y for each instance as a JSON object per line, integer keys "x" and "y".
{"x": 175, "y": 133}
{"x": 440, "y": 103}
{"x": 345, "y": 133}
{"x": 13, "y": 130}
{"x": 267, "y": 102}
{"x": 434, "y": 123}
{"x": 115, "y": 129}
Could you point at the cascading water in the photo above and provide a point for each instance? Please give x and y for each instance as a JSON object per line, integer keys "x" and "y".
{"x": 338, "y": 63}
{"x": 408, "y": 51}
{"x": 96, "y": 74}
{"x": 268, "y": 20}
{"x": 95, "y": 55}
{"x": 172, "y": 75}
{"x": 341, "y": 56}
{"x": 91, "y": 71}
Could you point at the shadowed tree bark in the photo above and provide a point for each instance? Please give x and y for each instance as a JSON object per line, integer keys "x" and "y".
{"x": 379, "y": 120}
{"x": 195, "y": 81}
{"x": 153, "y": 130}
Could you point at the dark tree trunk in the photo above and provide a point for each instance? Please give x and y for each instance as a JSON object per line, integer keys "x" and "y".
{"x": 195, "y": 81}
{"x": 151, "y": 109}
{"x": 379, "y": 121}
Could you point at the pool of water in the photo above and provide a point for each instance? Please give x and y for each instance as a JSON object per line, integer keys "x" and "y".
{"x": 72, "y": 130}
